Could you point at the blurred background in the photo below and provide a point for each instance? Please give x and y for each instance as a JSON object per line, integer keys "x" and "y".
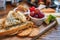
{"x": 51, "y": 6}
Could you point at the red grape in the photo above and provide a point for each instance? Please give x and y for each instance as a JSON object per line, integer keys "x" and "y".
{"x": 41, "y": 15}
{"x": 33, "y": 7}
{"x": 32, "y": 14}
{"x": 36, "y": 16}
{"x": 37, "y": 11}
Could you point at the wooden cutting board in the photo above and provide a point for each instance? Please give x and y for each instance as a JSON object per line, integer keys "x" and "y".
{"x": 43, "y": 28}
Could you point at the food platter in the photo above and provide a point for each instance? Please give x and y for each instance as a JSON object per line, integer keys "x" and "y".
{"x": 20, "y": 28}
{"x": 42, "y": 30}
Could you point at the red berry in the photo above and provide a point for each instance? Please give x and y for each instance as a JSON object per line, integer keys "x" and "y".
{"x": 41, "y": 15}
{"x": 36, "y": 16}
{"x": 32, "y": 9}
{"x": 37, "y": 11}
{"x": 32, "y": 14}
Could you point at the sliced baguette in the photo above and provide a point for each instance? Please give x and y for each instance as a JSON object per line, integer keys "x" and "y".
{"x": 15, "y": 29}
{"x": 25, "y": 32}
{"x": 34, "y": 32}
{"x": 2, "y": 23}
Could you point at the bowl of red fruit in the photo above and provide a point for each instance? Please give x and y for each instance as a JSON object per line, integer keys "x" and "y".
{"x": 36, "y": 16}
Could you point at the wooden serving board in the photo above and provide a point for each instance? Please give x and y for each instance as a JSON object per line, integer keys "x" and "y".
{"x": 43, "y": 28}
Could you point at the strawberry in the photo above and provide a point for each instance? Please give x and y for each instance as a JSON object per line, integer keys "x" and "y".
{"x": 32, "y": 9}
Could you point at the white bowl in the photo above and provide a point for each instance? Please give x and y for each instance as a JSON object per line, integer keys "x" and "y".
{"x": 37, "y": 21}
{"x": 26, "y": 13}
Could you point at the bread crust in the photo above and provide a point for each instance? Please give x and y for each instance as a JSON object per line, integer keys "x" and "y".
{"x": 25, "y": 32}
{"x": 15, "y": 29}
{"x": 48, "y": 10}
{"x": 34, "y": 32}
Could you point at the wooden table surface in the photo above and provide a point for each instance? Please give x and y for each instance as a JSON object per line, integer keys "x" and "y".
{"x": 53, "y": 34}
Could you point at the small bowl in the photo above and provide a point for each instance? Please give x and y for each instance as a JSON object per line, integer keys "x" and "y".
{"x": 37, "y": 21}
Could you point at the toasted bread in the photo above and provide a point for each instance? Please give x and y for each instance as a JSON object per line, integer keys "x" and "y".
{"x": 48, "y": 10}
{"x": 21, "y": 8}
{"x": 15, "y": 29}
{"x": 34, "y": 32}
{"x": 25, "y": 32}
{"x": 2, "y": 23}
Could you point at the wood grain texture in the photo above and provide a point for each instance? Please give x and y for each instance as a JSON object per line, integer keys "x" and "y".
{"x": 41, "y": 31}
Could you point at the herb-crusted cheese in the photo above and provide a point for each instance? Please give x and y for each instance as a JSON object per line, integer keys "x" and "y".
{"x": 14, "y": 18}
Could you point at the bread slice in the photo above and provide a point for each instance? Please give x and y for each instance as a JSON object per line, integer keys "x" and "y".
{"x": 48, "y": 10}
{"x": 2, "y": 23}
{"x": 34, "y": 32}
{"x": 15, "y": 29}
{"x": 25, "y": 32}
{"x": 21, "y": 8}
